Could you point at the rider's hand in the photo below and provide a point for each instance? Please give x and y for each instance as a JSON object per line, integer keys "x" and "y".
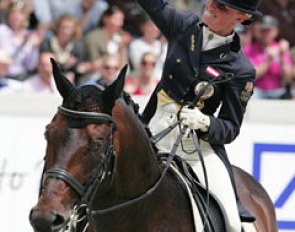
{"x": 194, "y": 119}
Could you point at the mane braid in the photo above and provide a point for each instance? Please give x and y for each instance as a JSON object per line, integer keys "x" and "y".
{"x": 131, "y": 104}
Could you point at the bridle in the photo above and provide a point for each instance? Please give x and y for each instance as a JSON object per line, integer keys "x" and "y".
{"x": 105, "y": 168}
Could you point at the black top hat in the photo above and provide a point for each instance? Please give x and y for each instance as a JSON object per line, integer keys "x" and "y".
{"x": 245, "y": 6}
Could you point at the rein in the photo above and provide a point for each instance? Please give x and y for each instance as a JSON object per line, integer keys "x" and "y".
{"x": 152, "y": 189}
{"x": 99, "y": 177}
{"x": 108, "y": 165}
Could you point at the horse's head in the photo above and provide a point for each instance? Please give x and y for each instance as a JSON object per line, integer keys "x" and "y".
{"x": 79, "y": 150}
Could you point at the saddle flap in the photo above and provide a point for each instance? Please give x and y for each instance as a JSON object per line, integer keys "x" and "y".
{"x": 210, "y": 209}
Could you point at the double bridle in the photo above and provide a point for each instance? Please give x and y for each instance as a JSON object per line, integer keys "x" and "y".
{"x": 105, "y": 168}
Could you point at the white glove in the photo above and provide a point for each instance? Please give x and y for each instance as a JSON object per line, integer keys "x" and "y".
{"x": 194, "y": 119}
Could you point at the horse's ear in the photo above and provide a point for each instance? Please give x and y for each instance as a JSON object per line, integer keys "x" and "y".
{"x": 114, "y": 91}
{"x": 64, "y": 86}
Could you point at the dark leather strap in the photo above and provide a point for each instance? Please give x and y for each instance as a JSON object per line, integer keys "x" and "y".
{"x": 66, "y": 177}
{"x": 104, "y": 118}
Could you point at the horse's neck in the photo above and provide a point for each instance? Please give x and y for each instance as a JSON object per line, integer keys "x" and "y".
{"x": 137, "y": 167}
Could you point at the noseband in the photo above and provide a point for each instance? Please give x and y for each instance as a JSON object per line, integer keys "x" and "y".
{"x": 101, "y": 118}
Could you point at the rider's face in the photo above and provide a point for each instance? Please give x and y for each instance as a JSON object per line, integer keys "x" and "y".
{"x": 221, "y": 19}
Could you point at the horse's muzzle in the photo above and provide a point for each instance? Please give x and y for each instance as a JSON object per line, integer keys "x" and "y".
{"x": 46, "y": 221}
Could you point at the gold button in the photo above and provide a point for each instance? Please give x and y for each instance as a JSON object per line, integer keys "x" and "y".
{"x": 170, "y": 77}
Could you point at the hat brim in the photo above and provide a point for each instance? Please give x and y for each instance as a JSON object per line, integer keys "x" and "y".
{"x": 252, "y": 12}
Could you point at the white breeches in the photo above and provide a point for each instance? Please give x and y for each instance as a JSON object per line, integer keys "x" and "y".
{"x": 218, "y": 178}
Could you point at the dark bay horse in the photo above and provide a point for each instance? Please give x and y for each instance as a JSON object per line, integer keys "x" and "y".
{"x": 100, "y": 166}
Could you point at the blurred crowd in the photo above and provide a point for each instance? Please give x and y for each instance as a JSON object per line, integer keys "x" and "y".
{"x": 93, "y": 39}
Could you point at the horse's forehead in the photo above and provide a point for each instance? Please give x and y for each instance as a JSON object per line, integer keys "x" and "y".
{"x": 85, "y": 98}
{"x": 57, "y": 127}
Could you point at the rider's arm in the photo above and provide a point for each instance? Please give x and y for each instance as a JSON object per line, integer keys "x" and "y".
{"x": 166, "y": 17}
{"x": 226, "y": 126}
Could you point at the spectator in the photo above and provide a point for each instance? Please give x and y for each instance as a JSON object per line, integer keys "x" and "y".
{"x": 4, "y": 4}
{"x": 245, "y": 33}
{"x": 143, "y": 82}
{"x": 48, "y": 11}
{"x": 7, "y": 85}
{"x": 32, "y": 23}
{"x": 132, "y": 12}
{"x": 196, "y": 6}
{"x": 90, "y": 13}
{"x": 18, "y": 42}
{"x": 292, "y": 89}
{"x": 32, "y": 20}
{"x": 65, "y": 44}
{"x": 109, "y": 71}
{"x": 42, "y": 81}
{"x": 284, "y": 11}
{"x": 271, "y": 59}
{"x": 148, "y": 42}
{"x": 108, "y": 39}
{"x": 292, "y": 82}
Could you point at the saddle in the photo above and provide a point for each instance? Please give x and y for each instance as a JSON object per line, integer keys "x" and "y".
{"x": 189, "y": 174}
{"x": 210, "y": 209}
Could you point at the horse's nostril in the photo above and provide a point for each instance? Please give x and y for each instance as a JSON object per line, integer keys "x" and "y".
{"x": 41, "y": 221}
{"x": 59, "y": 220}
{"x": 46, "y": 221}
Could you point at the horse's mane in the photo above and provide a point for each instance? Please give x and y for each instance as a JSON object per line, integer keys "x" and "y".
{"x": 131, "y": 104}
{"x": 130, "y": 128}
{"x": 126, "y": 112}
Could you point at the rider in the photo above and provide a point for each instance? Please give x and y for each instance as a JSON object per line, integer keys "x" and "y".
{"x": 202, "y": 51}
